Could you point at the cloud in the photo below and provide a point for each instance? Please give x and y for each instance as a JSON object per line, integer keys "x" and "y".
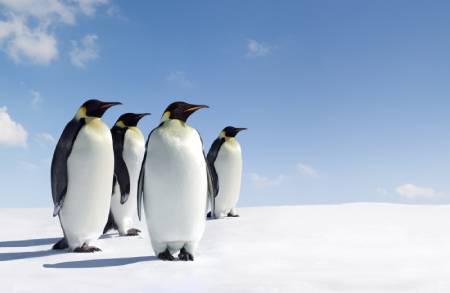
{"x": 89, "y": 7}
{"x": 306, "y": 170}
{"x": 263, "y": 182}
{"x": 26, "y": 31}
{"x": 179, "y": 78}
{"x": 412, "y": 191}
{"x": 114, "y": 11}
{"x": 257, "y": 49}
{"x": 24, "y": 44}
{"x": 45, "y": 139}
{"x": 84, "y": 52}
{"x": 11, "y": 132}
{"x": 36, "y": 99}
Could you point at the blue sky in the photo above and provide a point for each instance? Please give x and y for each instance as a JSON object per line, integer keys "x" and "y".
{"x": 344, "y": 100}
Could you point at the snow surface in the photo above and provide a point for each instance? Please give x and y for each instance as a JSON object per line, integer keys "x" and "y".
{"x": 334, "y": 248}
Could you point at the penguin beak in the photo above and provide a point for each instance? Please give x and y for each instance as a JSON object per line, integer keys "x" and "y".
{"x": 193, "y": 108}
{"x": 107, "y": 105}
{"x": 142, "y": 115}
{"x": 240, "y": 129}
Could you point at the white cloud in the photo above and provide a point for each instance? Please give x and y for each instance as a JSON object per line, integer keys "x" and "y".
{"x": 89, "y": 7}
{"x": 263, "y": 182}
{"x": 257, "y": 49}
{"x": 45, "y": 139}
{"x": 11, "y": 132}
{"x": 306, "y": 170}
{"x": 179, "y": 78}
{"x": 84, "y": 52}
{"x": 36, "y": 98}
{"x": 26, "y": 32}
{"x": 24, "y": 44}
{"x": 412, "y": 191}
{"x": 114, "y": 11}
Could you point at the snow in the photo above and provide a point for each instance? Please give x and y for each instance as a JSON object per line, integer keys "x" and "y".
{"x": 329, "y": 248}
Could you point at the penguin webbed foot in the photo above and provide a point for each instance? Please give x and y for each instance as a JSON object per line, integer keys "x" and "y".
{"x": 86, "y": 249}
{"x": 61, "y": 244}
{"x": 133, "y": 232}
{"x": 166, "y": 256}
{"x": 208, "y": 215}
{"x": 185, "y": 256}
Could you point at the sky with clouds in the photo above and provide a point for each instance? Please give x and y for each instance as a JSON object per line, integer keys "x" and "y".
{"x": 345, "y": 101}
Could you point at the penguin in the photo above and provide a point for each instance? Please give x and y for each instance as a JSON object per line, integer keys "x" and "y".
{"x": 174, "y": 184}
{"x": 225, "y": 164}
{"x": 129, "y": 149}
{"x": 81, "y": 175}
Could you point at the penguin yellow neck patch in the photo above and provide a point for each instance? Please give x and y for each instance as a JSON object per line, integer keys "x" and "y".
{"x": 81, "y": 113}
{"x": 121, "y": 124}
{"x": 165, "y": 116}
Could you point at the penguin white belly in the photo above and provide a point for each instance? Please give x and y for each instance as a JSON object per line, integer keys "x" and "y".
{"x": 90, "y": 172}
{"x": 228, "y": 166}
{"x": 133, "y": 152}
{"x": 175, "y": 188}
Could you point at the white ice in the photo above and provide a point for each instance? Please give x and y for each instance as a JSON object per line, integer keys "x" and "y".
{"x": 330, "y": 248}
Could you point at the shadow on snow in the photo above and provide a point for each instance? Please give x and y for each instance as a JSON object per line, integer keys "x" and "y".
{"x": 29, "y": 242}
{"x": 100, "y": 263}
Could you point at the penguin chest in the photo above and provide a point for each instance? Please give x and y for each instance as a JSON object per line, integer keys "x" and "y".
{"x": 90, "y": 169}
{"x": 228, "y": 166}
{"x": 133, "y": 154}
{"x": 175, "y": 185}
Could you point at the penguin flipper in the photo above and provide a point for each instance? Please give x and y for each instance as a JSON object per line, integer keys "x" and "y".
{"x": 59, "y": 176}
{"x": 211, "y": 158}
{"x": 120, "y": 168}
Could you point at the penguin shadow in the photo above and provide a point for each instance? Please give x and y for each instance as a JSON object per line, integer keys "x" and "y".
{"x": 100, "y": 263}
{"x": 9, "y": 256}
{"x": 29, "y": 242}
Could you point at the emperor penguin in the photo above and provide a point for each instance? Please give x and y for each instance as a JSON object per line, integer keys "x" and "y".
{"x": 81, "y": 177}
{"x": 174, "y": 183}
{"x": 225, "y": 164}
{"x": 129, "y": 149}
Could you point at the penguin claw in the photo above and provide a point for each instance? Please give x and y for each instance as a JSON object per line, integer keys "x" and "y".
{"x": 133, "y": 232}
{"x": 86, "y": 249}
{"x": 185, "y": 256}
{"x": 166, "y": 256}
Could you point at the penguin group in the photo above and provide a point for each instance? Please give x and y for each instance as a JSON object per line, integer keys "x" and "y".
{"x": 104, "y": 179}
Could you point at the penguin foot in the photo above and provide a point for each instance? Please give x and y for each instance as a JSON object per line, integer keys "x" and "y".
{"x": 61, "y": 244}
{"x": 166, "y": 256}
{"x": 232, "y": 215}
{"x": 133, "y": 232}
{"x": 185, "y": 256}
{"x": 85, "y": 249}
{"x": 208, "y": 215}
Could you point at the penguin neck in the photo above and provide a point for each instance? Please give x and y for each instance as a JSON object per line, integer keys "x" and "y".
{"x": 173, "y": 123}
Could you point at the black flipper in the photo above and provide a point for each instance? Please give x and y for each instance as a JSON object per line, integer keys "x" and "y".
{"x": 59, "y": 177}
{"x": 213, "y": 183}
{"x": 211, "y": 158}
{"x": 140, "y": 190}
{"x": 111, "y": 224}
{"x": 120, "y": 168}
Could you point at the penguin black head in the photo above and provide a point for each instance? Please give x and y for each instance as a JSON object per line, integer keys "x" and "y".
{"x": 181, "y": 111}
{"x": 95, "y": 108}
{"x": 231, "y": 131}
{"x": 130, "y": 119}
